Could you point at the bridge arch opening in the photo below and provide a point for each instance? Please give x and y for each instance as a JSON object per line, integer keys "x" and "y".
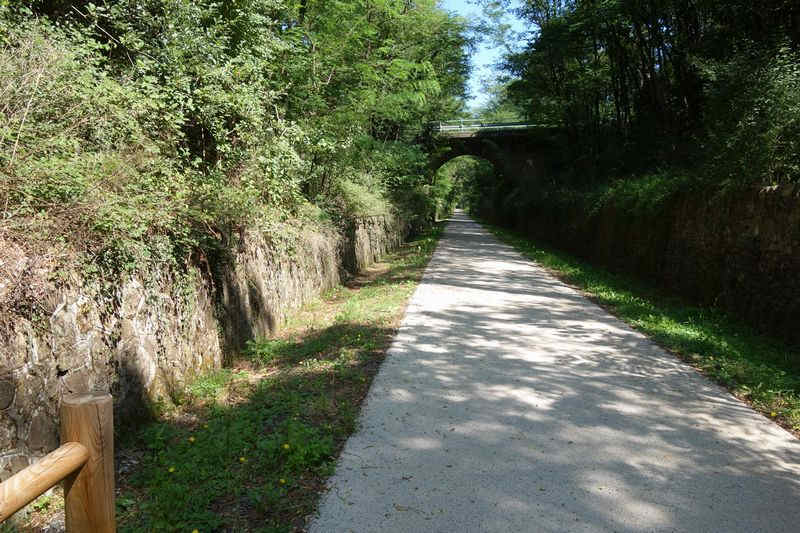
{"x": 462, "y": 180}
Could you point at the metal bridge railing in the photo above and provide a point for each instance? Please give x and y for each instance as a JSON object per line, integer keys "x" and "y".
{"x": 479, "y": 125}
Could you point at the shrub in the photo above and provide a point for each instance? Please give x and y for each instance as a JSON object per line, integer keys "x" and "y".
{"x": 754, "y": 117}
{"x": 75, "y": 163}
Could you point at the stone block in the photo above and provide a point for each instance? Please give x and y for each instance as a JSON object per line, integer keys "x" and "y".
{"x": 76, "y": 381}
{"x": 43, "y": 433}
{"x": 8, "y": 433}
{"x": 7, "y": 392}
{"x": 11, "y": 463}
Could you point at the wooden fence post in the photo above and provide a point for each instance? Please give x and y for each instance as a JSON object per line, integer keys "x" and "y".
{"x": 89, "y": 492}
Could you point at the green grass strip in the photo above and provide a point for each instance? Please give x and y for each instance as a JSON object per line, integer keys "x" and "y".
{"x": 759, "y": 369}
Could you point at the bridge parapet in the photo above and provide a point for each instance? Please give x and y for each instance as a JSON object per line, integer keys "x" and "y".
{"x": 473, "y": 127}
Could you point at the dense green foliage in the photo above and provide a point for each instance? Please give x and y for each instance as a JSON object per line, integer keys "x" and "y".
{"x": 654, "y": 99}
{"x": 643, "y": 83}
{"x": 160, "y": 129}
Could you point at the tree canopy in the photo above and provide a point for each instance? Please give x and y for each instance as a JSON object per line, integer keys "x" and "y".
{"x": 129, "y": 122}
{"x": 646, "y": 82}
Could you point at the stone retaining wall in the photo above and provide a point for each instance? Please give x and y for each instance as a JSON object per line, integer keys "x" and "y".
{"x": 736, "y": 250}
{"x": 146, "y": 336}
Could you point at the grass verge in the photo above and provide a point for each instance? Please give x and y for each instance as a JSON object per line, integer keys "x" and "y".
{"x": 251, "y": 447}
{"x": 758, "y": 369}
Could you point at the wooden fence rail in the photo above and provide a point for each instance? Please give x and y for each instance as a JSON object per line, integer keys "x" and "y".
{"x": 85, "y": 463}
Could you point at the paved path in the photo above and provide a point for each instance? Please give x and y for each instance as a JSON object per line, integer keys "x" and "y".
{"x": 509, "y": 402}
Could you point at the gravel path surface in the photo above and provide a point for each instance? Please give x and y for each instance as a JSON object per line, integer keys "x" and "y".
{"x": 509, "y": 402}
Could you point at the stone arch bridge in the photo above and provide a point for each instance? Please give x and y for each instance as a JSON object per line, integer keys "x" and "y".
{"x": 516, "y": 149}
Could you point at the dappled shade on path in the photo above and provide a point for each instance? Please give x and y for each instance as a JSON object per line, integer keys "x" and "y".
{"x": 509, "y": 402}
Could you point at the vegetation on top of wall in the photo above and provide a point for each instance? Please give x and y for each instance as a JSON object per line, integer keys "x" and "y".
{"x": 134, "y": 132}
{"x": 644, "y": 195}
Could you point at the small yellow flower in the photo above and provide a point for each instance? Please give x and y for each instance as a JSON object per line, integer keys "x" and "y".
{"x": 171, "y": 469}
{"x": 195, "y": 531}
{"x": 282, "y": 481}
{"x": 191, "y": 439}
{"x": 242, "y": 459}
{"x": 286, "y": 446}
{"x": 773, "y": 414}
